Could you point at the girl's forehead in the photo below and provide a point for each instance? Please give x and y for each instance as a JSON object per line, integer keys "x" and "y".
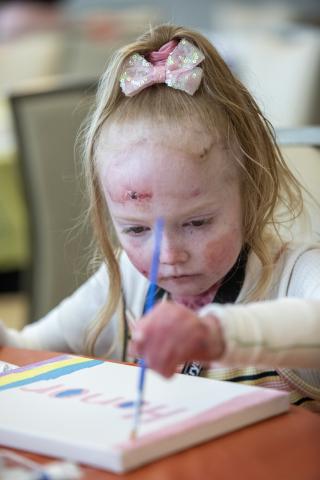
{"x": 144, "y": 163}
{"x": 192, "y": 139}
{"x": 182, "y": 158}
{"x": 166, "y": 156}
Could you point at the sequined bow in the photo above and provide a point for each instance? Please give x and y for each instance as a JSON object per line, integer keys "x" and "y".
{"x": 180, "y": 71}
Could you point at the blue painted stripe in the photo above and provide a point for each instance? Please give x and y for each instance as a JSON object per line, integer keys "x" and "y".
{"x": 128, "y": 404}
{"x": 59, "y": 372}
{"x": 69, "y": 392}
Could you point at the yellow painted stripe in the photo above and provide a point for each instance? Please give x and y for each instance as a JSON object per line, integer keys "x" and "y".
{"x": 15, "y": 377}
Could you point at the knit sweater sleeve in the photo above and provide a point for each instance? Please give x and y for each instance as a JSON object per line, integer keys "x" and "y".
{"x": 284, "y": 332}
{"x": 279, "y": 333}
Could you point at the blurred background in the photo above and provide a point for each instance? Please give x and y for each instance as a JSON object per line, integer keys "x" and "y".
{"x": 51, "y": 56}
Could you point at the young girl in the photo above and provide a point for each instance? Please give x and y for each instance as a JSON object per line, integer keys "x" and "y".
{"x": 176, "y": 135}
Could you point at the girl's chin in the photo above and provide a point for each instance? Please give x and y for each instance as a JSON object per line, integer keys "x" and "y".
{"x": 183, "y": 293}
{"x": 183, "y": 289}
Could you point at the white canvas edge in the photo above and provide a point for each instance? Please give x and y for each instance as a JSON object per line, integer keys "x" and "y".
{"x": 119, "y": 461}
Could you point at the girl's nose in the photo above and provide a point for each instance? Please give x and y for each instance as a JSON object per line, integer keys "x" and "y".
{"x": 172, "y": 253}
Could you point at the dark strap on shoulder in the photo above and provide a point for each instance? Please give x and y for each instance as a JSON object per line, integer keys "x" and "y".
{"x": 233, "y": 281}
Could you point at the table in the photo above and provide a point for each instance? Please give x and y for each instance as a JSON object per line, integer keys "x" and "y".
{"x": 284, "y": 447}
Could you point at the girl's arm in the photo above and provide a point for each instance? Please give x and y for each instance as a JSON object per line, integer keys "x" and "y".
{"x": 277, "y": 333}
{"x": 64, "y": 328}
{"x": 281, "y": 333}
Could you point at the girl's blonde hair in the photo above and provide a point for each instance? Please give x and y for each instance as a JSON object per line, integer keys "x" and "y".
{"x": 225, "y": 108}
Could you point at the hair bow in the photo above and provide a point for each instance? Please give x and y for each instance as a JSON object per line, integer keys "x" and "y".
{"x": 180, "y": 71}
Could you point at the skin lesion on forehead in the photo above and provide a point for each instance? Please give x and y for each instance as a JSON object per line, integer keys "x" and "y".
{"x": 139, "y": 196}
{"x": 216, "y": 143}
{"x": 124, "y": 194}
{"x": 205, "y": 151}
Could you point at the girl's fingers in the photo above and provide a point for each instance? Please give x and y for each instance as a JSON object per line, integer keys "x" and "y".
{"x": 172, "y": 334}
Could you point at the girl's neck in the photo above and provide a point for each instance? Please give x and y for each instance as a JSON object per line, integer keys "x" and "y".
{"x": 194, "y": 302}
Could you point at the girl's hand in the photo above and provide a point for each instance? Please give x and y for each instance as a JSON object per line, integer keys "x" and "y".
{"x": 172, "y": 334}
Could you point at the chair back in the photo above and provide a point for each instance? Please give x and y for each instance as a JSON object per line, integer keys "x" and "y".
{"x": 46, "y": 122}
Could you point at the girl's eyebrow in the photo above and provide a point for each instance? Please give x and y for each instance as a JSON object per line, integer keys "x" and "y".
{"x": 200, "y": 211}
{"x": 206, "y": 207}
{"x": 130, "y": 219}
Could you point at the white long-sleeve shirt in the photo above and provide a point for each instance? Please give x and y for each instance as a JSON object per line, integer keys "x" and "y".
{"x": 283, "y": 330}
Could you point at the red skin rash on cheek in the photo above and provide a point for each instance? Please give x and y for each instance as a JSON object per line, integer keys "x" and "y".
{"x": 221, "y": 254}
{"x": 213, "y": 253}
{"x": 138, "y": 263}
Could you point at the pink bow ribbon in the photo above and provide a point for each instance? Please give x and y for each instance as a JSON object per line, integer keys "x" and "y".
{"x": 180, "y": 71}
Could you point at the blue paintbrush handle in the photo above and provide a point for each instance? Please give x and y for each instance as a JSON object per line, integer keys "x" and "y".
{"x": 149, "y": 305}
{"x": 154, "y": 265}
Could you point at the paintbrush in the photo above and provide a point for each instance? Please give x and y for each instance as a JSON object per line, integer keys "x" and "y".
{"x": 149, "y": 305}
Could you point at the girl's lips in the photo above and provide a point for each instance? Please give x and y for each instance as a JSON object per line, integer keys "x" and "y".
{"x": 181, "y": 276}
{"x": 178, "y": 277}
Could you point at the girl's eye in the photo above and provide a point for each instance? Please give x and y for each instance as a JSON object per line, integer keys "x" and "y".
{"x": 135, "y": 230}
{"x": 198, "y": 223}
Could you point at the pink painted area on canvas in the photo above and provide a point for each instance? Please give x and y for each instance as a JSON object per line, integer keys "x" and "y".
{"x": 237, "y": 404}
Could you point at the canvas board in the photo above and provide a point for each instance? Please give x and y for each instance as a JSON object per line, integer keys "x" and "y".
{"x": 82, "y": 409}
